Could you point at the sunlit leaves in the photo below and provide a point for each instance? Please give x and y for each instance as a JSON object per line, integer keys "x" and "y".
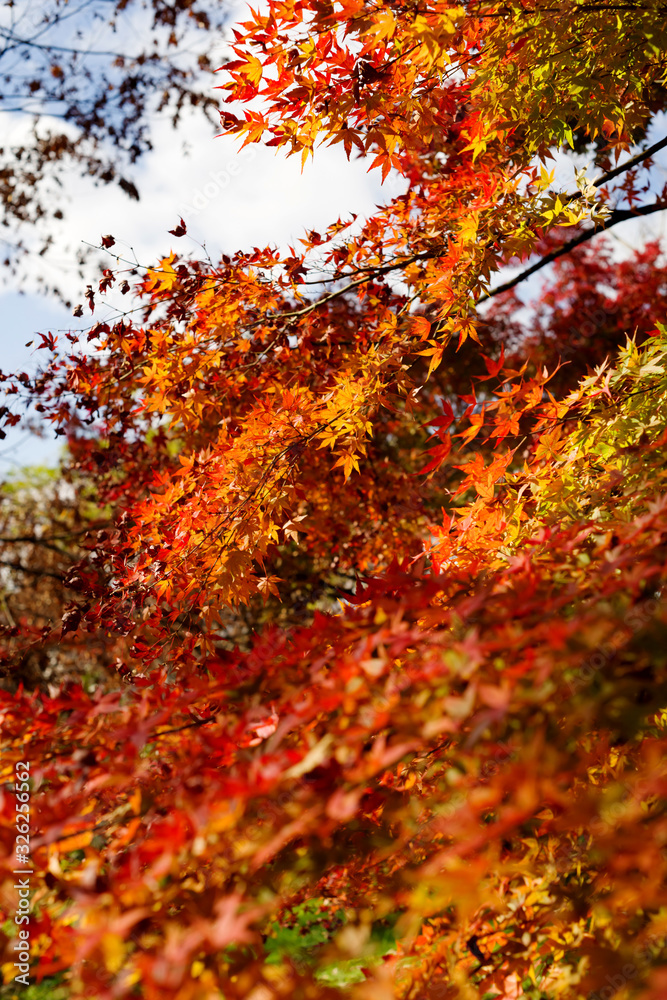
{"x": 373, "y": 582}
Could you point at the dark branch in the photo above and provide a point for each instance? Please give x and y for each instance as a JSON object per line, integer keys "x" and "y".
{"x": 616, "y": 217}
{"x": 55, "y": 538}
{"x": 32, "y": 540}
{"x": 628, "y": 165}
{"x": 31, "y": 572}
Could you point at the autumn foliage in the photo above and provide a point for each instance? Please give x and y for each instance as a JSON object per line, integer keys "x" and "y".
{"x": 339, "y": 646}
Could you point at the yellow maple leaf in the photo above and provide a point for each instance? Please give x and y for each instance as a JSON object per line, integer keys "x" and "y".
{"x": 164, "y": 277}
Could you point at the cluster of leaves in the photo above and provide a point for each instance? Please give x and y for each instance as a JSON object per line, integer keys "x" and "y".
{"x": 374, "y": 588}
{"x": 387, "y": 755}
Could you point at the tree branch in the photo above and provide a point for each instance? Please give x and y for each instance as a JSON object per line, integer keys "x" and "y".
{"x": 31, "y": 572}
{"x": 616, "y": 217}
{"x": 628, "y": 165}
{"x": 56, "y": 538}
{"x": 27, "y": 540}
{"x": 18, "y": 42}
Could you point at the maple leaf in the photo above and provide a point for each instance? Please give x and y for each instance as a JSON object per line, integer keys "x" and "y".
{"x": 180, "y": 229}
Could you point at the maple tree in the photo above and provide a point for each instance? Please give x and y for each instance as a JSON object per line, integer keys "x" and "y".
{"x": 366, "y": 574}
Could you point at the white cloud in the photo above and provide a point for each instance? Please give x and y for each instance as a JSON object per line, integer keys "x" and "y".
{"x": 230, "y": 200}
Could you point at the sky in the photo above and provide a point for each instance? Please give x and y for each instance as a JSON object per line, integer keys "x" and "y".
{"x": 230, "y": 201}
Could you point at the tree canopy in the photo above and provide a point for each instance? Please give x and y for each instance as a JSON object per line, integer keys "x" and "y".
{"x": 337, "y": 647}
